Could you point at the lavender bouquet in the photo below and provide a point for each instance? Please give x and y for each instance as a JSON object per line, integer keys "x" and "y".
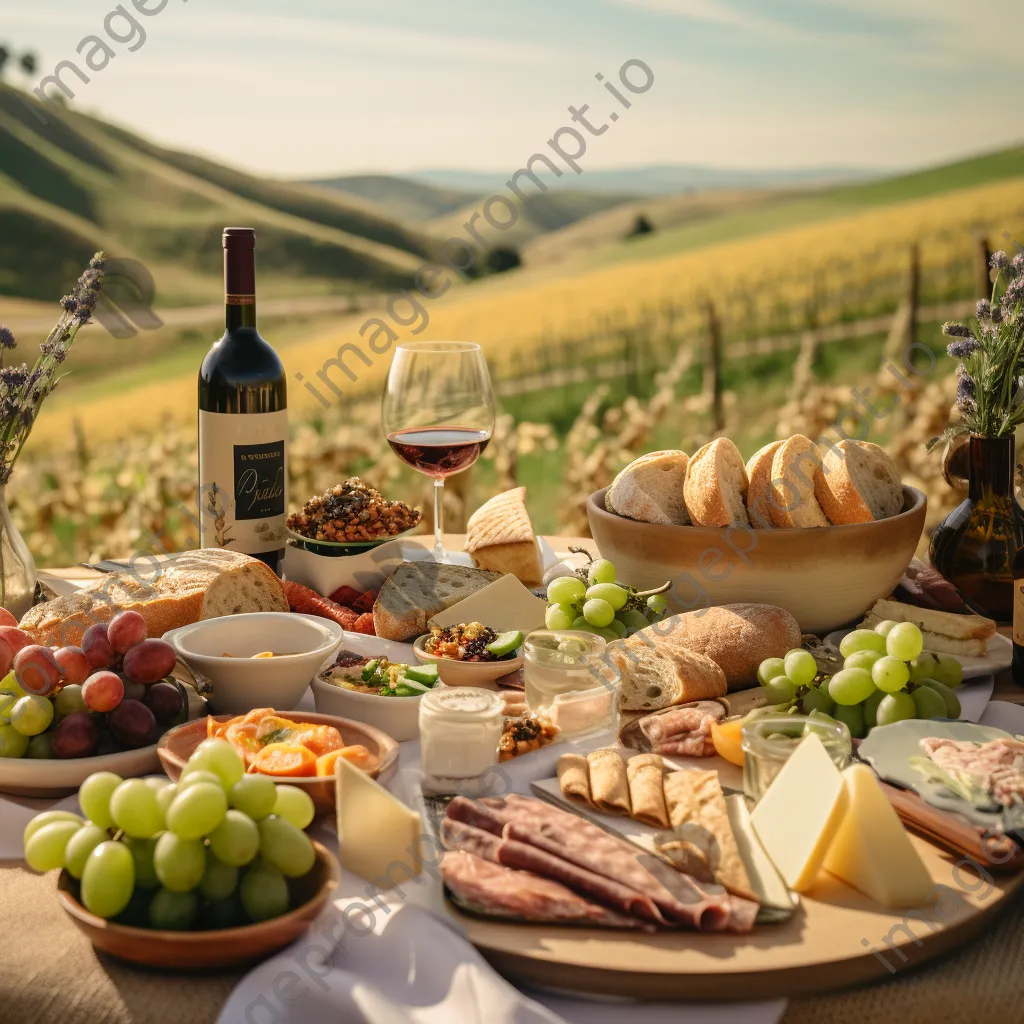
{"x": 990, "y": 374}
{"x": 23, "y": 388}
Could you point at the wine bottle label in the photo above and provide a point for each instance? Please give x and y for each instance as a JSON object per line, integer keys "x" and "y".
{"x": 239, "y": 300}
{"x": 243, "y": 474}
{"x": 1018, "y": 612}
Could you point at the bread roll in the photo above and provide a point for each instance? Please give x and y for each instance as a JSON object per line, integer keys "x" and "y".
{"x": 196, "y": 585}
{"x": 650, "y": 489}
{"x": 857, "y": 482}
{"x": 791, "y": 499}
{"x": 759, "y": 475}
{"x": 735, "y": 637}
{"x": 655, "y": 677}
{"x": 716, "y": 485}
{"x": 499, "y": 536}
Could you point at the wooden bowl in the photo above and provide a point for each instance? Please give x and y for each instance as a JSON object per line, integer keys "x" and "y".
{"x": 178, "y": 745}
{"x": 203, "y": 950}
{"x": 826, "y": 576}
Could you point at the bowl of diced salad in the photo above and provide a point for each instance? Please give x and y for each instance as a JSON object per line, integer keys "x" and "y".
{"x": 376, "y": 690}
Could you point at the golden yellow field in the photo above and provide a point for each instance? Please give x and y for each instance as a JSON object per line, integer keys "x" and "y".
{"x": 516, "y": 314}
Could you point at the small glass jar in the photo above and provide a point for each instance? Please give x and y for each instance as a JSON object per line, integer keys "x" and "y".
{"x": 571, "y": 682}
{"x": 769, "y": 740}
{"x": 460, "y": 727}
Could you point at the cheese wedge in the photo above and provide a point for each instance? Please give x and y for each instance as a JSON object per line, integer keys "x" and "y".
{"x": 378, "y": 836}
{"x": 504, "y": 604}
{"x": 871, "y": 850}
{"x": 800, "y": 813}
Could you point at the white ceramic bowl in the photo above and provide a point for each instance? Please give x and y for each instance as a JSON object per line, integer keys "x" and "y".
{"x": 468, "y": 673}
{"x": 220, "y": 652}
{"x": 366, "y": 570}
{"x": 399, "y": 717}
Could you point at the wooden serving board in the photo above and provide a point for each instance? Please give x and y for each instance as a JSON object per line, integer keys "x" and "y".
{"x": 837, "y": 938}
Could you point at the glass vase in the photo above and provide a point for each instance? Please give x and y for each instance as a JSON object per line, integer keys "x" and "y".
{"x": 975, "y": 545}
{"x": 17, "y": 569}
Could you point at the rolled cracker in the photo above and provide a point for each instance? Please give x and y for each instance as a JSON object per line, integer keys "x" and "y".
{"x": 574, "y": 778}
{"x": 646, "y": 791}
{"x": 609, "y": 787}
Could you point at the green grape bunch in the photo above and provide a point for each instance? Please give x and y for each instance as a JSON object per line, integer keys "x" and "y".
{"x": 590, "y": 599}
{"x": 884, "y": 676}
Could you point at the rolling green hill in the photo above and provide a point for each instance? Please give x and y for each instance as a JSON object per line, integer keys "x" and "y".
{"x": 77, "y": 184}
{"x": 402, "y": 197}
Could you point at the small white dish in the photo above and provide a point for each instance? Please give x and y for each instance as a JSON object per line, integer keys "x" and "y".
{"x": 399, "y": 717}
{"x": 366, "y": 570}
{"x": 468, "y": 673}
{"x": 220, "y": 652}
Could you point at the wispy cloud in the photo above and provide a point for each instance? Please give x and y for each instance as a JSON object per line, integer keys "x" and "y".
{"x": 716, "y": 12}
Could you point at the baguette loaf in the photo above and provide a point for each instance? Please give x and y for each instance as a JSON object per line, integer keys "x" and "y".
{"x": 736, "y": 637}
{"x": 196, "y": 585}
{"x": 759, "y": 473}
{"x": 499, "y": 536}
{"x": 650, "y": 489}
{"x": 417, "y": 591}
{"x": 657, "y": 677}
{"x": 716, "y": 485}
{"x": 858, "y": 482}
{"x": 791, "y": 499}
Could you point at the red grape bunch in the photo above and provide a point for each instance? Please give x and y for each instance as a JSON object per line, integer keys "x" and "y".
{"x": 113, "y": 692}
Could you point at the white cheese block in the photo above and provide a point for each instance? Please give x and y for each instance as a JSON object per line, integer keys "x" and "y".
{"x": 799, "y": 814}
{"x": 378, "y": 836}
{"x": 871, "y": 849}
{"x": 503, "y": 605}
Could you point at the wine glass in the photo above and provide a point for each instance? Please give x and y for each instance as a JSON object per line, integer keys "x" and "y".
{"x": 438, "y": 413}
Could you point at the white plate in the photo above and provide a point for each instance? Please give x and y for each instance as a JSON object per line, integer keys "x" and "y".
{"x": 889, "y": 748}
{"x": 1000, "y": 654}
{"x": 35, "y": 777}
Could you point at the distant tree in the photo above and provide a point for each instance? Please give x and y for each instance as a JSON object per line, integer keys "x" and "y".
{"x": 5, "y": 56}
{"x": 641, "y": 226}
{"x": 29, "y": 63}
{"x": 502, "y": 258}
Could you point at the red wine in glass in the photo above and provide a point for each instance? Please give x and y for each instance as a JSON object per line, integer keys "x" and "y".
{"x": 439, "y": 451}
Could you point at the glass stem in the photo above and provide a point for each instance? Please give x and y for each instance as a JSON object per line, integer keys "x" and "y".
{"x": 439, "y": 551}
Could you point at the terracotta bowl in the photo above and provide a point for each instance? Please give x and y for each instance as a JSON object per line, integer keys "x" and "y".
{"x": 826, "y": 577}
{"x": 178, "y": 745}
{"x": 205, "y": 950}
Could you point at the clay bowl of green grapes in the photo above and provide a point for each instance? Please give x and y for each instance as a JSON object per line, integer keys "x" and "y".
{"x": 215, "y": 870}
{"x": 881, "y": 676}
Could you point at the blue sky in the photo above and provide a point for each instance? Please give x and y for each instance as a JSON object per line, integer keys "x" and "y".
{"x": 313, "y": 87}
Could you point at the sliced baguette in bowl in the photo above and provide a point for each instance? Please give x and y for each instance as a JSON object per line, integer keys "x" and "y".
{"x": 716, "y": 485}
{"x": 857, "y": 482}
{"x": 650, "y": 489}
{"x": 759, "y": 475}
{"x": 791, "y": 499}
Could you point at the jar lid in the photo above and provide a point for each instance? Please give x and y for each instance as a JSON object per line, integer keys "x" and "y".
{"x": 462, "y": 702}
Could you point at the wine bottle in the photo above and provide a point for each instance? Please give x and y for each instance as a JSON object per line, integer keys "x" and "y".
{"x": 243, "y": 422}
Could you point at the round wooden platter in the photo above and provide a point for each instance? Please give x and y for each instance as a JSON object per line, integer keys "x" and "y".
{"x": 837, "y": 938}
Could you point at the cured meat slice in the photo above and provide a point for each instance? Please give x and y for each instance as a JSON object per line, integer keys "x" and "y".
{"x": 476, "y": 812}
{"x": 457, "y": 835}
{"x": 504, "y": 891}
{"x": 681, "y": 720}
{"x": 693, "y": 745}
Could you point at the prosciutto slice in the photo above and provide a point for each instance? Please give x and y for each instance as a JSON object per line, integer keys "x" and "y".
{"x": 504, "y": 891}
{"x": 683, "y": 731}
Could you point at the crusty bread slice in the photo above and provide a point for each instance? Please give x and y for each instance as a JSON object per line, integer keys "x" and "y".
{"x": 759, "y": 475}
{"x": 858, "y": 482}
{"x": 499, "y": 536}
{"x": 650, "y": 489}
{"x": 791, "y": 500}
{"x": 417, "y": 591}
{"x": 654, "y": 678}
{"x": 937, "y": 643}
{"x": 197, "y": 585}
{"x": 716, "y": 485}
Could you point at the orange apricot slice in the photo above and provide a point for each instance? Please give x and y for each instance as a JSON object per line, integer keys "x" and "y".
{"x": 284, "y": 760}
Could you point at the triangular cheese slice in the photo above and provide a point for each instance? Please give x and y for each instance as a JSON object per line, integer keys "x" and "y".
{"x": 871, "y": 850}
{"x": 800, "y": 812}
